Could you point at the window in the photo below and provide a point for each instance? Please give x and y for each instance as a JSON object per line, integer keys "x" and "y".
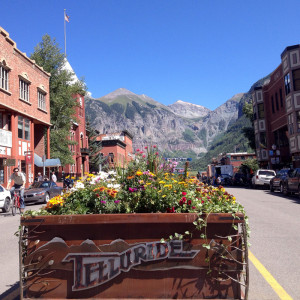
{"x": 298, "y": 120}
{"x": 276, "y": 101}
{"x": 254, "y": 113}
{"x": 72, "y": 139}
{"x": 281, "y": 98}
{"x": 261, "y": 112}
{"x": 23, "y": 128}
{"x": 287, "y": 83}
{"x": 24, "y": 90}
{"x": 263, "y": 140}
{"x": 290, "y": 124}
{"x": 272, "y": 100}
{"x": 41, "y": 100}
{"x": 296, "y": 79}
{"x": 3, "y": 78}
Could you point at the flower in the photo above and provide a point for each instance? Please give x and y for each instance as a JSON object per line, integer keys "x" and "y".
{"x": 146, "y": 186}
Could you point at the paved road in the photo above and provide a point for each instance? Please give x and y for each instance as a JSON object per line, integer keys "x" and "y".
{"x": 275, "y": 239}
{"x": 9, "y": 253}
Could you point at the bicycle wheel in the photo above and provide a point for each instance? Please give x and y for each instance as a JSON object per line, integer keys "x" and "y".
{"x": 14, "y": 208}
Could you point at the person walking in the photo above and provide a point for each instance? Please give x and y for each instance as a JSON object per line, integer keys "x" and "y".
{"x": 39, "y": 177}
{"x": 19, "y": 183}
{"x": 53, "y": 177}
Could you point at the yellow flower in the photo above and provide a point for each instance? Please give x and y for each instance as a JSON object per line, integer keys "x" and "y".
{"x": 163, "y": 196}
{"x": 139, "y": 173}
{"x": 162, "y": 182}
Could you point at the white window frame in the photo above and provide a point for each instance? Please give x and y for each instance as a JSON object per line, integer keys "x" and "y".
{"x": 41, "y": 100}
{"x": 24, "y": 90}
{"x": 4, "y": 78}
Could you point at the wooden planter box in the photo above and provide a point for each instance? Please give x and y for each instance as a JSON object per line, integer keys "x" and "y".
{"x": 122, "y": 256}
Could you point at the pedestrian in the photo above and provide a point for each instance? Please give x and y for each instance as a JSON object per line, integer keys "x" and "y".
{"x": 19, "y": 183}
{"x": 53, "y": 177}
{"x": 39, "y": 177}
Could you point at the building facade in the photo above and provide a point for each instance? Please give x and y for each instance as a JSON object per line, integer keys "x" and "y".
{"x": 78, "y": 135}
{"x": 276, "y": 108}
{"x": 117, "y": 148}
{"x": 24, "y": 111}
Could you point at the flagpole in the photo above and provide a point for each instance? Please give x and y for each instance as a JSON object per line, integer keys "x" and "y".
{"x": 65, "y": 33}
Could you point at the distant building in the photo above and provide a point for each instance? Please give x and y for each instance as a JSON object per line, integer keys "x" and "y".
{"x": 24, "y": 111}
{"x": 78, "y": 134}
{"x": 237, "y": 159}
{"x": 116, "y": 148}
{"x": 276, "y": 107}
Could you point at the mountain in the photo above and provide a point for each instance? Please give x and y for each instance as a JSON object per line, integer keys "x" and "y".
{"x": 180, "y": 128}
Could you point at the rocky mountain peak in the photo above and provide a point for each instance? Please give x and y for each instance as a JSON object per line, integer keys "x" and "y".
{"x": 119, "y": 92}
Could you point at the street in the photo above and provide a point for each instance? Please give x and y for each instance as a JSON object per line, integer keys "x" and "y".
{"x": 275, "y": 243}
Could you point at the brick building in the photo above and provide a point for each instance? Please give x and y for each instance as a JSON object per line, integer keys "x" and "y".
{"x": 117, "y": 148}
{"x": 24, "y": 111}
{"x": 78, "y": 134}
{"x": 237, "y": 159}
{"x": 276, "y": 107}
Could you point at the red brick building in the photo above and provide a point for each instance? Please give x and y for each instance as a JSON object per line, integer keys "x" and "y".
{"x": 117, "y": 148}
{"x": 78, "y": 134}
{"x": 237, "y": 159}
{"x": 24, "y": 111}
{"x": 276, "y": 107}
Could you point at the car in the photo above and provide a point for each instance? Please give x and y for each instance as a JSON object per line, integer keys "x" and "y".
{"x": 5, "y": 199}
{"x": 277, "y": 182}
{"x": 292, "y": 182}
{"x": 226, "y": 179}
{"x": 262, "y": 177}
{"x": 239, "y": 179}
{"x": 42, "y": 191}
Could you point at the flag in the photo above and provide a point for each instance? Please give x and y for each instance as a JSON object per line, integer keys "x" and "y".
{"x": 67, "y": 18}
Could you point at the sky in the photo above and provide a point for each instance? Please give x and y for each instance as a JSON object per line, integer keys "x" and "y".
{"x": 202, "y": 52}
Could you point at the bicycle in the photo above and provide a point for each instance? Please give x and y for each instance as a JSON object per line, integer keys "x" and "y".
{"x": 15, "y": 202}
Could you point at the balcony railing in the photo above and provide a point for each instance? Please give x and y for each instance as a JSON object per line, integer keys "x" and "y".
{"x": 85, "y": 151}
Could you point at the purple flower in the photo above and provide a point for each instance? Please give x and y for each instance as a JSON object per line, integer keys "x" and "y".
{"x": 103, "y": 202}
{"x": 117, "y": 201}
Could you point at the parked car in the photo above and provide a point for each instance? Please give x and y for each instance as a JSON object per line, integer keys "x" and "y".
{"x": 226, "y": 179}
{"x": 262, "y": 178}
{"x": 239, "y": 179}
{"x": 5, "y": 199}
{"x": 42, "y": 191}
{"x": 277, "y": 182}
{"x": 292, "y": 182}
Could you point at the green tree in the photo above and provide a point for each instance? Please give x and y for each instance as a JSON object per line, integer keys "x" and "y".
{"x": 95, "y": 158}
{"x": 48, "y": 55}
{"x": 249, "y": 164}
{"x": 249, "y": 131}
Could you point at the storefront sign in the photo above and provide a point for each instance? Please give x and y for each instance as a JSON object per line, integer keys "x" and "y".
{"x": 96, "y": 268}
{"x": 9, "y": 162}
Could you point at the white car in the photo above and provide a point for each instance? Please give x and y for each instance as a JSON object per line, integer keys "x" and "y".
{"x": 5, "y": 199}
{"x": 262, "y": 177}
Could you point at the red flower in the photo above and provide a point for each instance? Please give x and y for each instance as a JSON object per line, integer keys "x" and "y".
{"x": 137, "y": 150}
{"x": 183, "y": 199}
{"x": 183, "y": 193}
{"x": 154, "y": 146}
{"x": 156, "y": 153}
{"x": 171, "y": 210}
{"x": 146, "y": 147}
{"x": 190, "y": 202}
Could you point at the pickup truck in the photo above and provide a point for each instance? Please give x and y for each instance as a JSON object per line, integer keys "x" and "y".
{"x": 292, "y": 182}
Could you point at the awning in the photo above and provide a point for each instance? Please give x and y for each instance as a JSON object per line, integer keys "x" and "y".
{"x": 52, "y": 162}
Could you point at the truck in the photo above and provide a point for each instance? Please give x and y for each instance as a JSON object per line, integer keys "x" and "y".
{"x": 216, "y": 170}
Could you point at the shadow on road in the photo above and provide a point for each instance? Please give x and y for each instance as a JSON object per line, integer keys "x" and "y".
{"x": 294, "y": 198}
{"x": 12, "y": 294}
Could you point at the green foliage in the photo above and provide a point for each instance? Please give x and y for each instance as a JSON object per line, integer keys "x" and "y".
{"x": 188, "y": 135}
{"x": 47, "y": 54}
{"x": 231, "y": 141}
{"x": 117, "y": 107}
{"x": 130, "y": 112}
{"x": 249, "y": 164}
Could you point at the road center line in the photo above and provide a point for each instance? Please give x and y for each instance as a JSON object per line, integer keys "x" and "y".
{"x": 283, "y": 295}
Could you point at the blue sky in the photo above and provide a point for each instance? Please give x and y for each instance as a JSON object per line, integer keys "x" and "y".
{"x": 202, "y": 52}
